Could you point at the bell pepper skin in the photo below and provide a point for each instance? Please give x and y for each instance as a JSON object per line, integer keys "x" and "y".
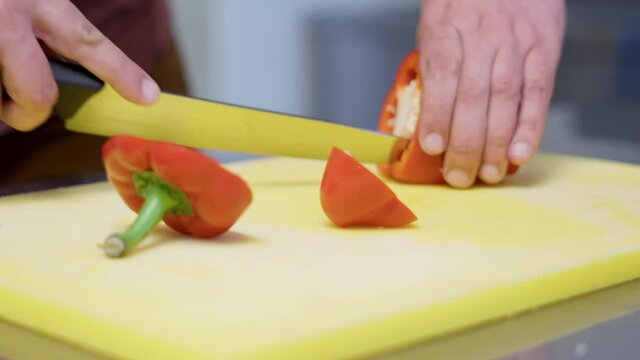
{"x": 351, "y": 195}
{"x": 196, "y": 195}
{"x": 414, "y": 165}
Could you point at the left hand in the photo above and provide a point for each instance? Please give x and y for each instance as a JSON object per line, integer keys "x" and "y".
{"x": 488, "y": 70}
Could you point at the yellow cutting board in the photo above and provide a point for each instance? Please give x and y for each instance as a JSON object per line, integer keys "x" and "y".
{"x": 285, "y": 283}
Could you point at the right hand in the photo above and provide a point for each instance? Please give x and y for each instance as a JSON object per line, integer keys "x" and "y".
{"x": 489, "y": 68}
{"x": 25, "y": 72}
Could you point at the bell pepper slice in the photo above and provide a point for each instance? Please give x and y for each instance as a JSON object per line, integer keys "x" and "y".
{"x": 190, "y": 191}
{"x": 399, "y": 116}
{"x": 351, "y": 195}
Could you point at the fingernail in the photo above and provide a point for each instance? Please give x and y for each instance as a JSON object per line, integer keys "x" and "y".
{"x": 433, "y": 144}
{"x": 490, "y": 174}
{"x": 458, "y": 178}
{"x": 150, "y": 90}
{"x": 521, "y": 150}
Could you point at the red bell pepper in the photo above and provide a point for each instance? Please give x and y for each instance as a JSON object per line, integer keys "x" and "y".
{"x": 351, "y": 195}
{"x": 191, "y": 192}
{"x": 399, "y": 115}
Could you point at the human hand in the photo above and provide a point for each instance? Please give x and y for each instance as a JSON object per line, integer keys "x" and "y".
{"x": 488, "y": 70}
{"x": 60, "y": 27}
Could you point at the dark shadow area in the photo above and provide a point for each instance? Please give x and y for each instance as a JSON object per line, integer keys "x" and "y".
{"x": 50, "y": 184}
{"x": 331, "y": 225}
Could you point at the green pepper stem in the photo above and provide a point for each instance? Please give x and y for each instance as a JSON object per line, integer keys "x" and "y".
{"x": 158, "y": 202}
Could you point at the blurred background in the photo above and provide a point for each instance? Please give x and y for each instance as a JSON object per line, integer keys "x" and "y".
{"x": 335, "y": 59}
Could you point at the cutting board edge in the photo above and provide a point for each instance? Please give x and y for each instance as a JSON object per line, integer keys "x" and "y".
{"x": 49, "y": 319}
{"x": 388, "y": 333}
{"x": 537, "y": 291}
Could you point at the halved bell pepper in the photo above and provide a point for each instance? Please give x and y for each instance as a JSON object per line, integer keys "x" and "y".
{"x": 351, "y": 195}
{"x": 399, "y": 116}
{"x": 190, "y": 191}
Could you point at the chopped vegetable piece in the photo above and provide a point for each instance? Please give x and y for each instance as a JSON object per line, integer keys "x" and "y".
{"x": 351, "y": 195}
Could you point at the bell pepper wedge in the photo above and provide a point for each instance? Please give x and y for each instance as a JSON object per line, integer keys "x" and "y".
{"x": 190, "y": 191}
{"x": 399, "y": 116}
{"x": 351, "y": 195}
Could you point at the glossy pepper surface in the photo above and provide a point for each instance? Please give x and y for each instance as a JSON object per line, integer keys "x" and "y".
{"x": 399, "y": 116}
{"x": 351, "y": 195}
{"x": 190, "y": 191}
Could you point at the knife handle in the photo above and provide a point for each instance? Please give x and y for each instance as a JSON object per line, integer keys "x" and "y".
{"x": 66, "y": 73}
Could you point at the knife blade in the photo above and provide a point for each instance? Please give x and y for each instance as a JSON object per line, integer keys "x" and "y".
{"x": 89, "y": 106}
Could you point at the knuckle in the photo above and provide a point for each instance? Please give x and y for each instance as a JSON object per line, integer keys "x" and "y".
{"x": 463, "y": 17}
{"x": 42, "y": 99}
{"x": 445, "y": 63}
{"x": 87, "y": 33}
{"x": 439, "y": 109}
{"x": 495, "y": 22}
{"x": 525, "y": 32}
{"x": 526, "y": 36}
{"x": 84, "y": 38}
{"x": 538, "y": 87}
{"x": 506, "y": 87}
{"x": 530, "y": 125}
{"x": 438, "y": 32}
{"x": 471, "y": 90}
{"x": 499, "y": 140}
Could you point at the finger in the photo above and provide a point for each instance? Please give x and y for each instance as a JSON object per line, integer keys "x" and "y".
{"x": 468, "y": 128}
{"x": 536, "y": 96}
{"x": 506, "y": 90}
{"x": 28, "y": 82}
{"x": 65, "y": 30}
{"x": 441, "y": 54}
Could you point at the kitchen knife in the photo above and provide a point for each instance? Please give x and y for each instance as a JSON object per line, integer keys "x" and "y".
{"x": 89, "y": 106}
